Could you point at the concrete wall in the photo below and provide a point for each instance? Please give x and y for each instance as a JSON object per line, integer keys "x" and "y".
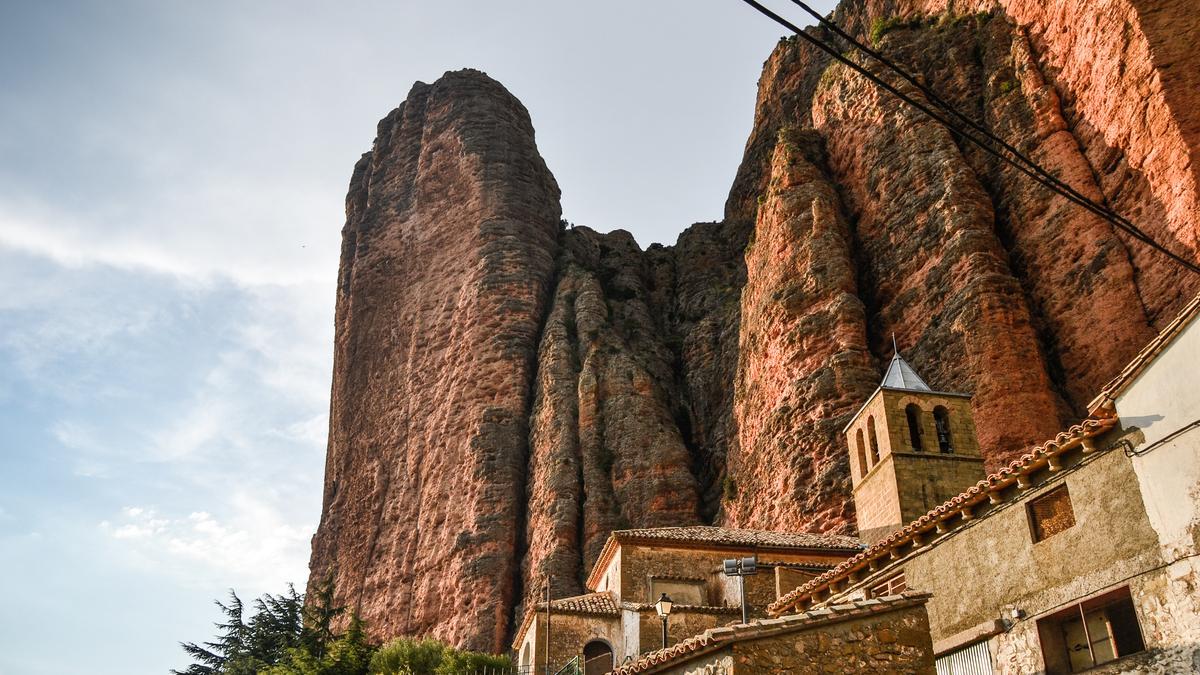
{"x": 1111, "y": 541}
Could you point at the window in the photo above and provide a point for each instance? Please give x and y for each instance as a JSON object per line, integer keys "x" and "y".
{"x": 973, "y": 660}
{"x": 862, "y": 453}
{"x": 913, "y": 413}
{"x": 941, "y": 421}
{"x": 874, "y": 441}
{"x": 893, "y": 585}
{"x": 1051, "y": 513}
{"x": 1091, "y": 633}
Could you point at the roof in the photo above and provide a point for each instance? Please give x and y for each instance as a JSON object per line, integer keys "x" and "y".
{"x": 804, "y": 566}
{"x": 603, "y": 604}
{"x": 954, "y": 512}
{"x": 1121, "y": 382}
{"x": 900, "y": 375}
{"x": 707, "y": 536}
{"x": 716, "y": 638}
{"x": 739, "y": 538}
{"x": 589, "y": 604}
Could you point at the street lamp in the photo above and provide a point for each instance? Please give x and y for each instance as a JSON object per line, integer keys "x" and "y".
{"x": 663, "y": 607}
{"x": 742, "y": 568}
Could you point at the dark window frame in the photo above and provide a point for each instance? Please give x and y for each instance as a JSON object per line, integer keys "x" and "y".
{"x": 1122, "y": 625}
{"x": 942, "y": 429}
{"x": 912, "y": 415}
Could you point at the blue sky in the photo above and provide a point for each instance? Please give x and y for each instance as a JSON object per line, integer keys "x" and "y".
{"x": 172, "y": 179}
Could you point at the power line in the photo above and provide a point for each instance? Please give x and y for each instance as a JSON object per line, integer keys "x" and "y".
{"x": 1025, "y": 165}
{"x": 942, "y": 103}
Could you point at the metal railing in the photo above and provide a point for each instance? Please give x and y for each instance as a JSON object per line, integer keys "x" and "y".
{"x": 572, "y": 668}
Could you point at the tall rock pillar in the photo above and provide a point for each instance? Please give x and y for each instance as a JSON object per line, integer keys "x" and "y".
{"x": 447, "y": 258}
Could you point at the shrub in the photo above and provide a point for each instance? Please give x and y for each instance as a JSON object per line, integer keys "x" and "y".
{"x": 883, "y": 26}
{"x": 729, "y": 488}
{"x": 407, "y": 656}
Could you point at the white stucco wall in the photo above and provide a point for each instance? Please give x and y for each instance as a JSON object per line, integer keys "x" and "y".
{"x": 1163, "y": 399}
{"x": 631, "y": 636}
{"x": 1164, "y": 396}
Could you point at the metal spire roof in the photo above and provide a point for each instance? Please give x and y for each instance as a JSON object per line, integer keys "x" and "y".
{"x": 900, "y": 375}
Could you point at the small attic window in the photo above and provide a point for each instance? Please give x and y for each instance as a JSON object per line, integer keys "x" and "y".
{"x": 893, "y": 585}
{"x": 1051, "y": 513}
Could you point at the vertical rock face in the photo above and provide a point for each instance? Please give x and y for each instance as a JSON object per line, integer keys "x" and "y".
{"x": 507, "y": 392}
{"x": 447, "y": 258}
{"x": 803, "y": 367}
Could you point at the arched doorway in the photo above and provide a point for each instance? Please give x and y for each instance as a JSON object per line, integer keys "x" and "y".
{"x": 597, "y": 658}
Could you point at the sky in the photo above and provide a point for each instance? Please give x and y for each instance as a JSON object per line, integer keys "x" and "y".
{"x": 172, "y": 177}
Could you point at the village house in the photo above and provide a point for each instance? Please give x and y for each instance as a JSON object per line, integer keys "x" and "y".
{"x": 1079, "y": 556}
{"x": 617, "y": 621}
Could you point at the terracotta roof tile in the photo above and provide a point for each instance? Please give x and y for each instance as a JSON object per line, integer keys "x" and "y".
{"x": 603, "y": 604}
{"x": 718, "y": 637}
{"x": 1030, "y": 461}
{"x": 707, "y": 535}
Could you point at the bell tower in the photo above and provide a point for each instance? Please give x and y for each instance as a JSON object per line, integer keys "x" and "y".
{"x": 911, "y": 448}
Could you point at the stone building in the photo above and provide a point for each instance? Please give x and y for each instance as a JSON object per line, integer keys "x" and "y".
{"x": 1082, "y": 555}
{"x": 617, "y": 621}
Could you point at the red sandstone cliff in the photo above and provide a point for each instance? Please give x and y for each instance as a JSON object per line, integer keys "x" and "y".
{"x": 447, "y": 259}
{"x": 506, "y": 392}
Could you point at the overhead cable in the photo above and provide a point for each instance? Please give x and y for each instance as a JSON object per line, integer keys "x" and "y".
{"x": 968, "y": 129}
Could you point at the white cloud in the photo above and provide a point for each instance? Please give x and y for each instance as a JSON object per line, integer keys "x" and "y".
{"x": 258, "y": 545}
{"x": 249, "y": 231}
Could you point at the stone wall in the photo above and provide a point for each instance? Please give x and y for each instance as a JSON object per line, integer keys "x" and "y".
{"x": 925, "y": 480}
{"x": 895, "y": 642}
{"x": 682, "y": 625}
{"x": 569, "y": 632}
{"x": 1168, "y": 613}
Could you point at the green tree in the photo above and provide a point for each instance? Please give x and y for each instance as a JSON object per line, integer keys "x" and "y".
{"x": 285, "y": 636}
{"x": 349, "y": 654}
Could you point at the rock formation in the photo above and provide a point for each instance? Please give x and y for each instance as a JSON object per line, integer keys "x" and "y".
{"x": 508, "y": 390}
{"x": 447, "y": 258}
